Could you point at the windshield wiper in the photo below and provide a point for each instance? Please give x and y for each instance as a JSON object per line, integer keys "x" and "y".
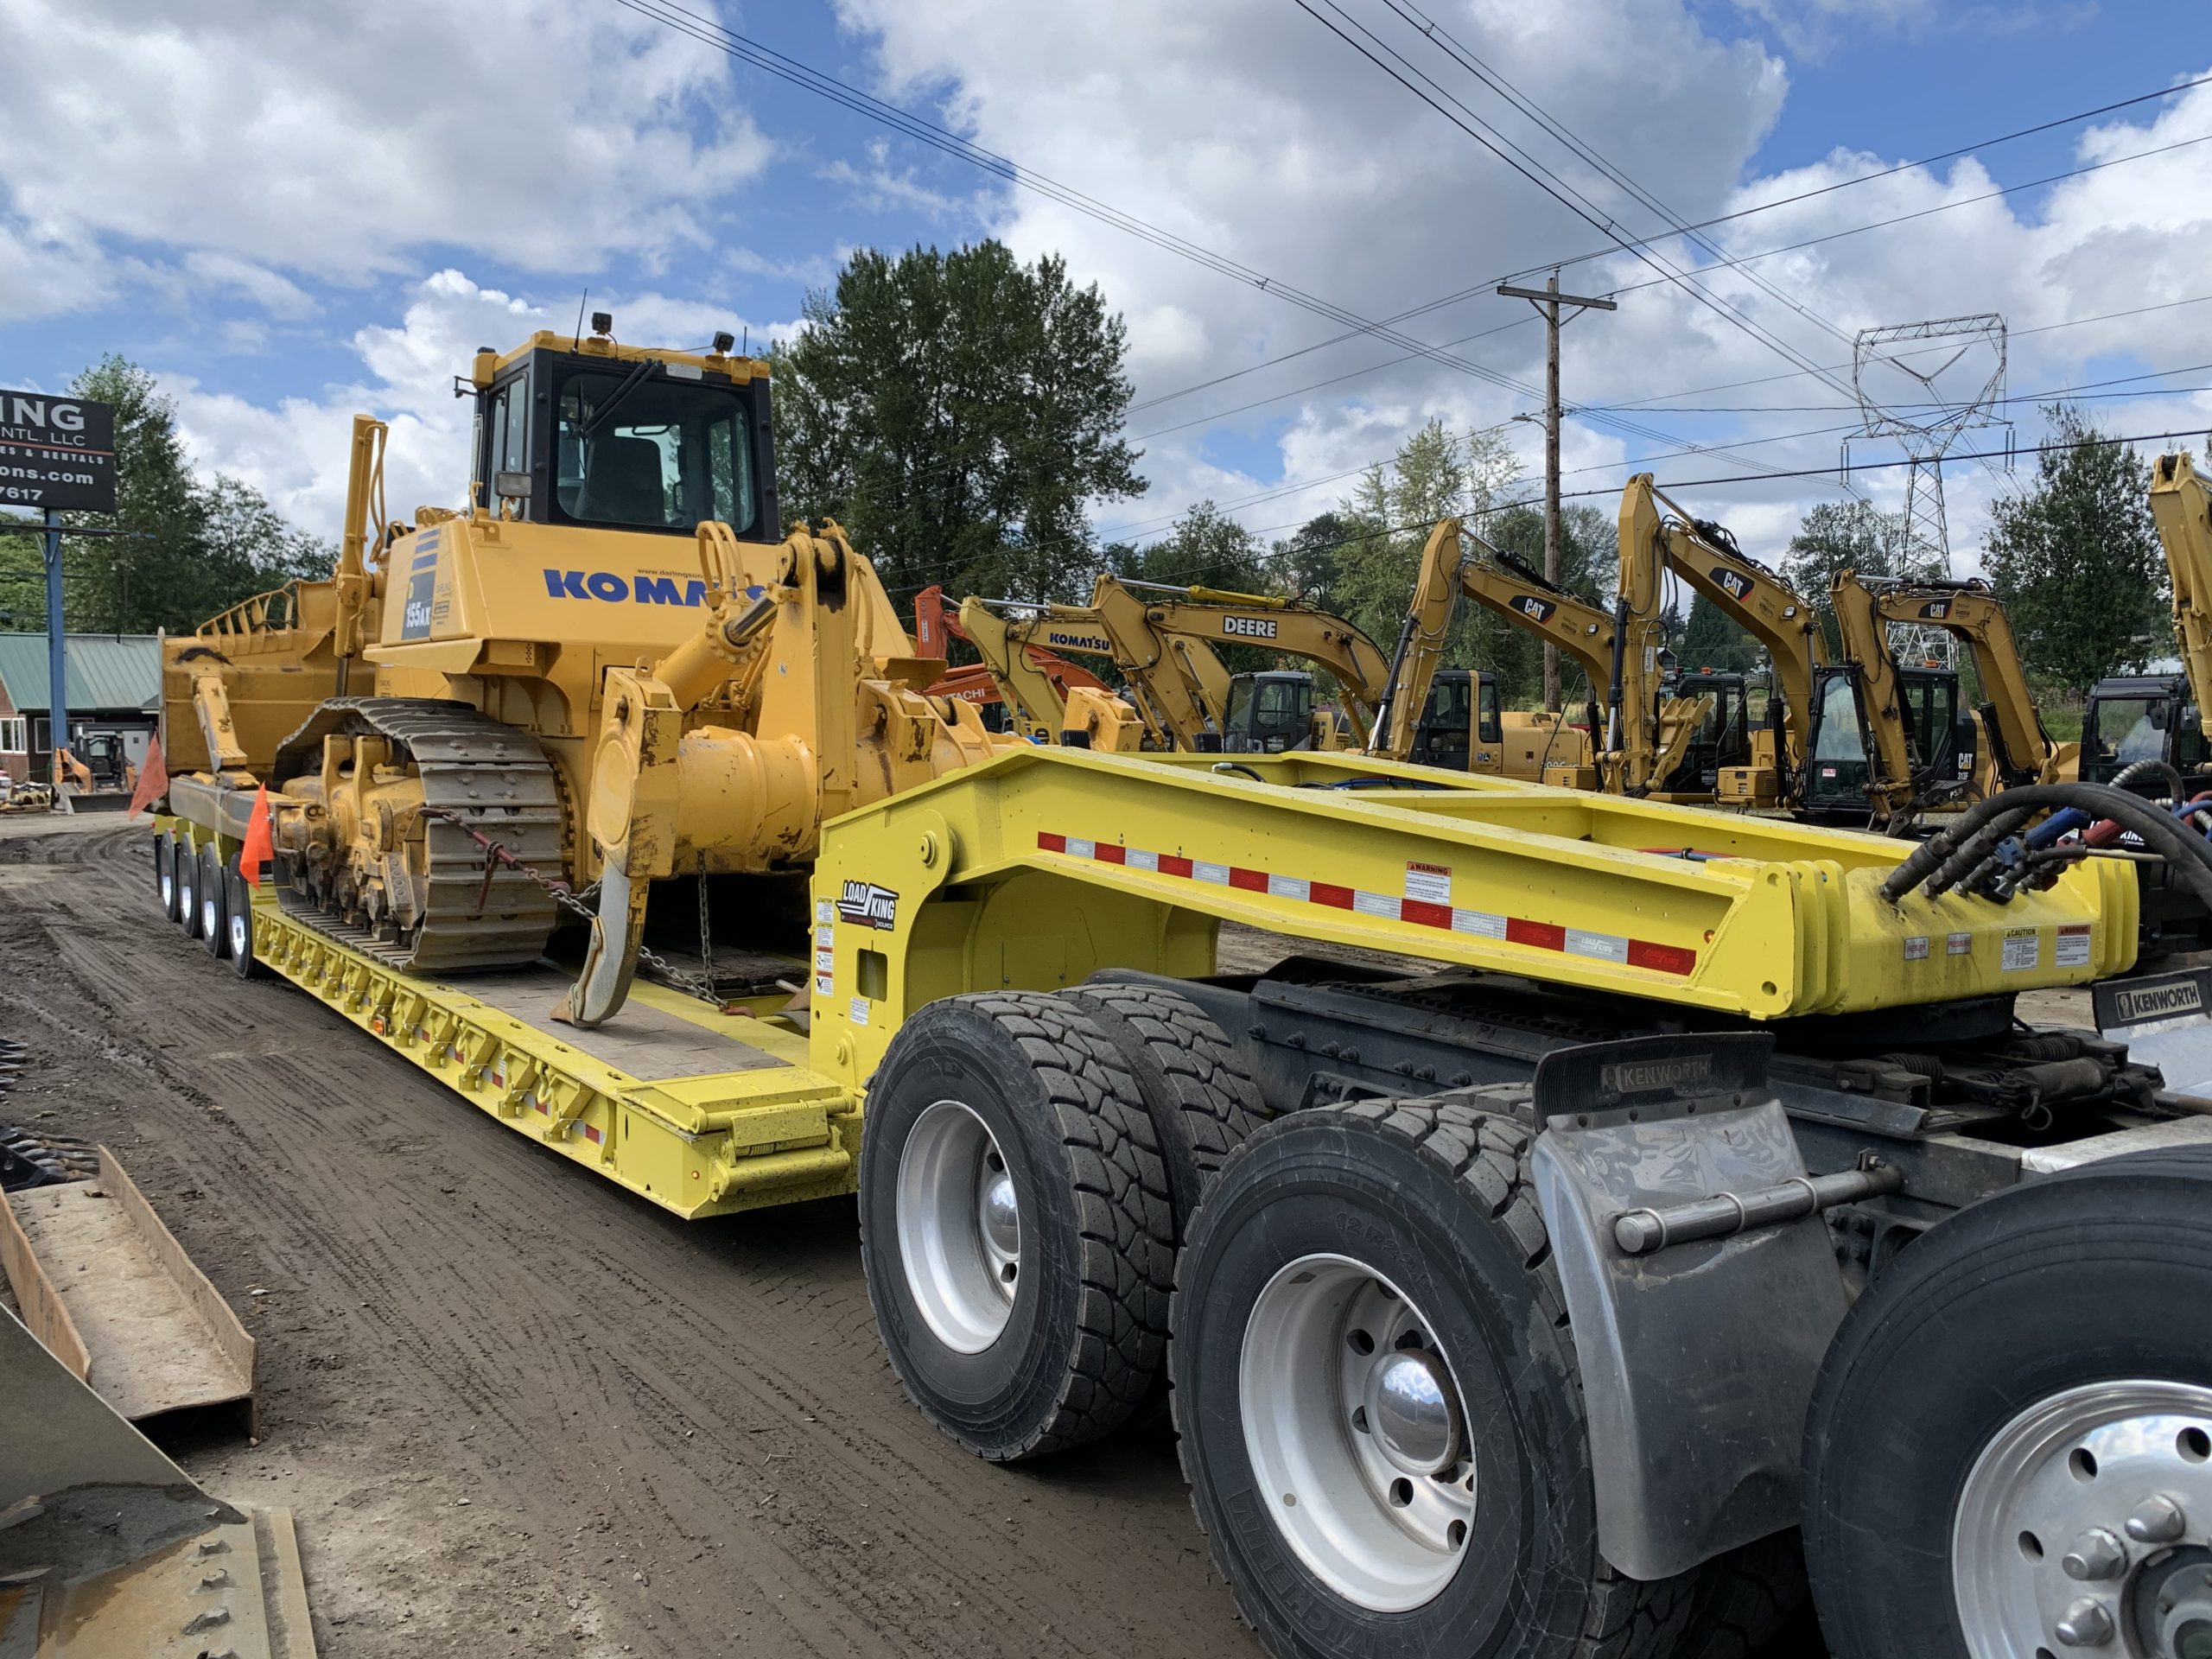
{"x": 630, "y": 383}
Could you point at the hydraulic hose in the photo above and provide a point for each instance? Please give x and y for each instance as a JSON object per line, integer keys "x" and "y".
{"x": 2140, "y": 769}
{"x": 1950, "y": 854}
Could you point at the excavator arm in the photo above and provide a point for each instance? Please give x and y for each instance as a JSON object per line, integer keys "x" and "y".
{"x": 1707, "y": 557}
{"x": 1210, "y": 616}
{"x": 2021, "y": 752}
{"x": 1030, "y": 697}
{"x": 2181, "y": 506}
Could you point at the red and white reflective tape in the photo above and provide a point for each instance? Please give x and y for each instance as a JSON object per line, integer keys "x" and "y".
{"x": 1509, "y": 930}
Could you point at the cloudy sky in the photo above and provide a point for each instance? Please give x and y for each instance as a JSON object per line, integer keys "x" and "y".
{"x": 294, "y": 212}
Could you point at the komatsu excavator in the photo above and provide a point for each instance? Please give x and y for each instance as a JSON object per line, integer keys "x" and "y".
{"x": 605, "y": 669}
{"x": 1162, "y": 638}
{"x": 1457, "y": 562}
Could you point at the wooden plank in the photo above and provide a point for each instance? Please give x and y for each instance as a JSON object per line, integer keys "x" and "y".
{"x": 43, "y": 1310}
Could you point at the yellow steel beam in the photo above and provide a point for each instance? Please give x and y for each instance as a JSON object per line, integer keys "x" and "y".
{"x": 704, "y": 1145}
{"x": 1042, "y": 866}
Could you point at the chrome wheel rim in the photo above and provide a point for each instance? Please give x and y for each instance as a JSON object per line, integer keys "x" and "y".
{"x": 167, "y": 874}
{"x": 2086, "y": 1525}
{"x": 1356, "y": 1432}
{"x": 959, "y": 1223}
{"x": 209, "y": 928}
{"x": 241, "y": 936}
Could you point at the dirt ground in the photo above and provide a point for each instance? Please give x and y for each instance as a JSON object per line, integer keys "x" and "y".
{"x": 516, "y": 1411}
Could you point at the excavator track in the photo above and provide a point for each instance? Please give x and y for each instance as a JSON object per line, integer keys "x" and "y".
{"x": 477, "y": 773}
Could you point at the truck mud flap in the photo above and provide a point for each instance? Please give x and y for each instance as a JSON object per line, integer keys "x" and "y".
{"x": 1697, "y": 1357}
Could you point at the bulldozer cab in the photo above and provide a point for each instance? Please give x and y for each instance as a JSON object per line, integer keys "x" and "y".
{"x": 1840, "y": 768}
{"x": 599, "y": 435}
{"x": 1462, "y": 710}
{"x": 1723, "y": 738}
{"x": 2142, "y": 717}
{"x": 1270, "y": 713}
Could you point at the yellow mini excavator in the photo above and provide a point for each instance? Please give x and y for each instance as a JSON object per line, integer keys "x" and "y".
{"x": 1162, "y": 638}
{"x": 607, "y": 667}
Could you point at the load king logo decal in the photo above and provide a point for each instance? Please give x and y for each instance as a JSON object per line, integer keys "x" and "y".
{"x": 1735, "y": 583}
{"x": 1248, "y": 627}
{"x": 865, "y": 905}
{"x": 1530, "y": 605}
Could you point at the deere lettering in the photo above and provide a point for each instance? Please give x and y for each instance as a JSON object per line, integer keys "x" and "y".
{"x": 604, "y": 584}
{"x": 1248, "y": 627}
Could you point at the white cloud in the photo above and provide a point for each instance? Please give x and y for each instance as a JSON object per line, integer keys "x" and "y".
{"x": 1247, "y": 127}
{"x": 259, "y": 141}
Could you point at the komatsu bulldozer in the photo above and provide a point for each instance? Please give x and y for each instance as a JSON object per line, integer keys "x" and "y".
{"x": 607, "y": 667}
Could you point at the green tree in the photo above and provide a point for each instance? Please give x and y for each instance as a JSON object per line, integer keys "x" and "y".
{"x": 956, "y": 412}
{"x": 1435, "y": 473}
{"x": 186, "y": 548}
{"x": 2078, "y": 561}
{"x": 1836, "y": 536}
{"x": 1310, "y": 562}
{"x": 1713, "y": 639}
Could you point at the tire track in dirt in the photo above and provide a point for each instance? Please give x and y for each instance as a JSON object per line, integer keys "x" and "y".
{"x": 683, "y": 1437}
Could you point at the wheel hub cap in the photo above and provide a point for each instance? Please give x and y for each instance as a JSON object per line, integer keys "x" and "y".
{"x": 1409, "y": 1411}
{"x": 959, "y": 1226}
{"x": 2085, "y": 1526}
{"x": 1353, "y": 1425}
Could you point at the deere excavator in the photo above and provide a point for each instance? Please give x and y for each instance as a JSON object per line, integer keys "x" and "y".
{"x": 1537, "y": 747}
{"x": 606, "y": 669}
{"x": 1162, "y": 638}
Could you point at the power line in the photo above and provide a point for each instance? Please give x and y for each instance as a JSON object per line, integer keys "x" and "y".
{"x": 1746, "y": 212}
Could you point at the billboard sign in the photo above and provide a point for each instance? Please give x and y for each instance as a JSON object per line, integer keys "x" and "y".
{"x": 56, "y": 453}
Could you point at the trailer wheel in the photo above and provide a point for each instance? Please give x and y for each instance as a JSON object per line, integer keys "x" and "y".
{"x": 1378, "y": 1398}
{"x": 1015, "y": 1225}
{"x": 188, "y": 888}
{"x": 2010, "y": 1448}
{"x": 165, "y": 873}
{"x": 214, "y": 907}
{"x": 1202, "y": 1105}
{"x": 238, "y": 916}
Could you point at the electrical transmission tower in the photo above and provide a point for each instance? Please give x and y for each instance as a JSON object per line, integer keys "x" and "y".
{"x": 1923, "y": 385}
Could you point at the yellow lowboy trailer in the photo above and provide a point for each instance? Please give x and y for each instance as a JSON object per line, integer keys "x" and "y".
{"x": 1693, "y": 1182}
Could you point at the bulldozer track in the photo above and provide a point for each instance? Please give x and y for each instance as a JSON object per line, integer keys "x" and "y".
{"x": 478, "y": 774}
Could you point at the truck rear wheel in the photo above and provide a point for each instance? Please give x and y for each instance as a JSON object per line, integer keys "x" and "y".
{"x": 1202, "y": 1105}
{"x": 238, "y": 916}
{"x": 1015, "y": 1225}
{"x": 2010, "y": 1448}
{"x": 1379, "y": 1403}
{"x": 165, "y": 873}
{"x": 214, "y": 903}
{"x": 188, "y": 888}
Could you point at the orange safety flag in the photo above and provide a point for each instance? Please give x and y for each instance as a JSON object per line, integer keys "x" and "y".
{"x": 258, "y": 849}
{"x": 153, "y": 779}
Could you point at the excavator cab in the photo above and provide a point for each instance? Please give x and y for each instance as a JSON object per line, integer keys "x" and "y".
{"x": 1462, "y": 711}
{"x": 2143, "y": 717}
{"x": 1840, "y": 768}
{"x": 1270, "y": 713}
{"x": 1723, "y": 737}
{"x": 567, "y": 433}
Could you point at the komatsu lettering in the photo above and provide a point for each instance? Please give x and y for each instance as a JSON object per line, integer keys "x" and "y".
{"x": 604, "y": 584}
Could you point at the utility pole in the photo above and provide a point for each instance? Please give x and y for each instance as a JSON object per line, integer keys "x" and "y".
{"x": 1547, "y": 301}
{"x": 57, "y": 661}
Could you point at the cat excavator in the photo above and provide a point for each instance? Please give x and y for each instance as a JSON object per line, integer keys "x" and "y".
{"x": 1162, "y": 640}
{"x": 2133, "y": 719}
{"x": 1455, "y": 562}
{"x": 1915, "y": 758}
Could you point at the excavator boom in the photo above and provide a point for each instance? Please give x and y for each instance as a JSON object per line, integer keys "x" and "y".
{"x": 2181, "y": 507}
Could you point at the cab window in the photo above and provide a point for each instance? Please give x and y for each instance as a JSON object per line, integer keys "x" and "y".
{"x": 652, "y": 452}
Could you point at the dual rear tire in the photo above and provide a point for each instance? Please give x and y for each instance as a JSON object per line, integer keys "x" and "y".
{"x": 203, "y": 893}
